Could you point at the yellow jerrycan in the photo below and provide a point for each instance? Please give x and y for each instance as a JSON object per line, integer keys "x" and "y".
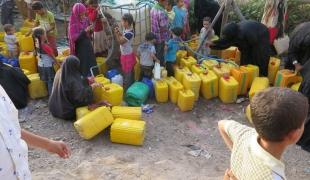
{"x": 273, "y": 68}
{"x": 26, "y": 44}
{"x": 180, "y": 54}
{"x": 248, "y": 113}
{"x": 28, "y": 23}
{"x": 209, "y": 85}
{"x": 188, "y": 61}
{"x": 103, "y": 80}
{"x": 243, "y": 78}
{"x": 174, "y": 88}
{"x": 221, "y": 71}
{"x": 192, "y": 82}
{"x": 26, "y": 72}
{"x": 125, "y": 131}
{"x": 198, "y": 69}
{"x": 81, "y": 112}
{"x": 253, "y": 70}
{"x": 137, "y": 69}
{"x": 37, "y": 88}
{"x": 102, "y": 65}
{"x": 286, "y": 78}
{"x": 113, "y": 93}
{"x": 228, "y": 89}
{"x": 229, "y": 64}
{"x": 134, "y": 113}
{"x": 24, "y": 30}
{"x": 94, "y": 122}
{"x": 66, "y": 52}
{"x": 238, "y": 57}
{"x": 2, "y": 34}
{"x": 296, "y": 86}
{"x": 186, "y": 100}
{"x": 161, "y": 91}
{"x": 259, "y": 84}
{"x": 28, "y": 61}
{"x": 229, "y": 53}
{"x": 179, "y": 72}
{"x": 210, "y": 63}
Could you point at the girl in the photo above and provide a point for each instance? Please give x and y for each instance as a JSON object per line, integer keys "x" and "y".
{"x": 45, "y": 56}
{"x": 128, "y": 59}
{"x": 79, "y": 38}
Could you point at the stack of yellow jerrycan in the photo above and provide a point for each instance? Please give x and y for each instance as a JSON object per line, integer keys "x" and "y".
{"x": 161, "y": 91}
{"x": 125, "y": 131}
{"x": 37, "y": 88}
{"x": 113, "y": 93}
{"x": 81, "y": 112}
{"x": 94, "y": 122}
{"x": 285, "y": 78}
{"x": 253, "y": 71}
{"x": 229, "y": 53}
{"x": 28, "y": 61}
{"x": 210, "y": 63}
{"x": 174, "y": 88}
{"x": 137, "y": 69}
{"x": 248, "y": 113}
{"x": 186, "y": 100}
{"x": 221, "y": 71}
{"x": 26, "y": 43}
{"x": 228, "y": 89}
{"x": 259, "y": 84}
{"x": 296, "y": 86}
{"x": 102, "y": 65}
{"x": 192, "y": 82}
{"x": 179, "y": 72}
{"x": 198, "y": 69}
{"x": 243, "y": 78}
{"x": 180, "y": 54}
{"x": 209, "y": 85}
{"x": 273, "y": 68}
{"x": 188, "y": 61}
{"x": 134, "y": 113}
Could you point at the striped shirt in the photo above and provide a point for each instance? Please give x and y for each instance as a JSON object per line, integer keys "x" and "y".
{"x": 160, "y": 23}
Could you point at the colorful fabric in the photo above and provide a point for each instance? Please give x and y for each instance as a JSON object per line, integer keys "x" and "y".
{"x": 173, "y": 46}
{"x": 146, "y": 51}
{"x": 10, "y": 41}
{"x": 171, "y": 16}
{"x": 128, "y": 62}
{"x": 45, "y": 22}
{"x": 126, "y": 48}
{"x": 159, "y": 23}
{"x": 93, "y": 17}
{"x": 76, "y": 24}
{"x": 52, "y": 43}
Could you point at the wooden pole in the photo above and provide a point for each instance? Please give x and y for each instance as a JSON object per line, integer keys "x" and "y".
{"x": 65, "y": 19}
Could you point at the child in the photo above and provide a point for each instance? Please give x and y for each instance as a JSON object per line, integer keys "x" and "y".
{"x": 45, "y": 19}
{"x": 170, "y": 12}
{"x": 160, "y": 27}
{"x": 101, "y": 42}
{"x": 205, "y": 50}
{"x": 278, "y": 116}
{"x": 125, "y": 39}
{"x": 147, "y": 52}
{"x": 14, "y": 142}
{"x": 46, "y": 58}
{"x": 181, "y": 17}
{"x": 171, "y": 50}
{"x": 11, "y": 40}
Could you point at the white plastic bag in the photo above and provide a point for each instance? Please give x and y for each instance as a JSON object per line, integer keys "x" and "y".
{"x": 281, "y": 44}
{"x": 157, "y": 71}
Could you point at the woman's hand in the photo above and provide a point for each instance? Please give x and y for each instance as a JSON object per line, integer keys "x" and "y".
{"x": 89, "y": 28}
{"x": 298, "y": 67}
{"x": 96, "y": 84}
{"x": 60, "y": 148}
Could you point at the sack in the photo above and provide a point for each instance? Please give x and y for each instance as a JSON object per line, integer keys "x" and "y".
{"x": 281, "y": 44}
{"x": 157, "y": 71}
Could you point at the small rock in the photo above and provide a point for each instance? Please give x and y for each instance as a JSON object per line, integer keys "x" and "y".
{"x": 150, "y": 148}
{"x": 307, "y": 170}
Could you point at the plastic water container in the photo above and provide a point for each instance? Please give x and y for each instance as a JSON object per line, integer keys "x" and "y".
{"x": 81, "y": 112}
{"x": 296, "y": 86}
{"x": 113, "y": 93}
{"x": 229, "y": 65}
{"x": 243, "y": 78}
{"x": 209, "y": 85}
{"x": 192, "y": 82}
{"x": 174, "y": 88}
{"x": 221, "y": 71}
{"x": 125, "y": 112}
{"x": 163, "y": 72}
{"x": 2, "y": 34}
{"x": 137, "y": 69}
{"x": 137, "y": 94}
{"x": 238, "y": 57}
{"x": 259, "y": 84}
{"x": 61, "y": 58}
{"x": 248, "y": 113}
{"x": 28, "y": 23}
{"x": 210, "y": 63}
{"x": 179, "y": 72}
{"x": 37, "y": 88}
{"x": 118, "y": 79}
{"x": 127, "y": 131}
{"x": 149, "y": 83}
{"x": 94, "y": 122}
{"x": 188, "y": 61}
{"x": 28, "y": 61}
{"x": 229, "y": 53}
{"x": 186, "y": 100}
{"x": 102, "y": 65}
{"x": 253, "y": 71}
{"x": 228, "y": 89}
{"x": 26, "y": 43}
{"x": 66, "y": 52}
{"x": 24, "y": 30}
{"x": 161, "y": 91}
{"x": 101, "y": 79}
{"x": 286, "y": 78}
{"x": 273, "y": 68}
{"x": 111, "y": 73}
{"x": 180, "y": 54}
{"x": 26, "y": 72}
{"x": 197, "y": 69}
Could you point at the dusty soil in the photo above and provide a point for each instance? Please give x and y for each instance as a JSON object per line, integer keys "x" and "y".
{"x": 164, "y": 154}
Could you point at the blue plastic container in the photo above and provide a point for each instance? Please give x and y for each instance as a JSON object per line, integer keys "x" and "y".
{"x": 111, "y": 73}
{"x": 150, "y": 84}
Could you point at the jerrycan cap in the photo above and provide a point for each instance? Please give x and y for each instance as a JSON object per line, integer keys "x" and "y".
{"x": 26, "y": 52}
{"x": 226, "y": 77}
{"x": 197, "y": 65}
{"x": 106, "y": 88}
{"x": 273, "y": 63}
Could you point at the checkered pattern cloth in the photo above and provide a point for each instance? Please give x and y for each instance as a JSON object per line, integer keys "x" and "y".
{"x": 160, "y": 23}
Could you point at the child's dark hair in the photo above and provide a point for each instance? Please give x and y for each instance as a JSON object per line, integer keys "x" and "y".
{"x": 150, "y": 36}
{"x": 129, "y": 18}
{"x": 207, "y": 19}
{"x": 37, "y": 5}
{"x": 36, "y": 35}
{"x": 7, "y": 27}
{"x": 92, "y": 2}
{"x": 177, "y": 31}
{"x": 278, "y": 111}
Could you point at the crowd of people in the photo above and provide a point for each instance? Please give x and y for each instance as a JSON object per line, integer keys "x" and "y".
{"x": 256, "y": 153}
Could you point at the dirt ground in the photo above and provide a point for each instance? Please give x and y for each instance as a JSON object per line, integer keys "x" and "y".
{"x": 164, "y": 155}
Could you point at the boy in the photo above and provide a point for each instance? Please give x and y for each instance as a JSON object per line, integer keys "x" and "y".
{"x": 278, "y": 116}
{"x": 160, "y": 27}
{"x": 205, "y": 50}
{"x": 11, "y": 40}
{"x": 45, "y": 19}
{"x": 181, "y": 17}
{"x": 170, "y": 12}
{"x": 171, "y": 49}
{"x": 147, "y": 52}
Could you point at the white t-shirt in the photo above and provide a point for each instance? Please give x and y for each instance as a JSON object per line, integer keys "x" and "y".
{"x": 13, "y": 150}
{"x": 10, "y": 41}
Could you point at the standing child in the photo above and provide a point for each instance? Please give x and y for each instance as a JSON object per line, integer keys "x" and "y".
{"x": 170, "y": 12}
{"x": 205, "y": 50}
{"x": 171, "y": 50}
{"x": 46, "y": 58}
{"x": 181, "y": 17}
{"x": 11, "y": 40}
{"x": 125, "y": 39}
{"x": 45, "y": 19}
{"x": 147, "y": 52}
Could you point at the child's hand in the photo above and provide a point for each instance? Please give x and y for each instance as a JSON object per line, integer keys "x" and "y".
{"x": 94, "y": 85}
{"x": 60, "y": 148}
{"x": 229, "y": 175}
{"x": 89, "y": 28}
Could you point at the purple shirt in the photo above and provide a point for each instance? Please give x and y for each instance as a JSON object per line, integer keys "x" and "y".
{"x": 160, "y": 23}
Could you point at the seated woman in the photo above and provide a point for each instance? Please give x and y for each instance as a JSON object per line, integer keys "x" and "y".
{"x": 70, "y": 90}
{"x": 15, "y": 83}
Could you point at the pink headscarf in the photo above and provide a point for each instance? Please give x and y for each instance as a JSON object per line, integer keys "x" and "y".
{"x": 76, "y": 24}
